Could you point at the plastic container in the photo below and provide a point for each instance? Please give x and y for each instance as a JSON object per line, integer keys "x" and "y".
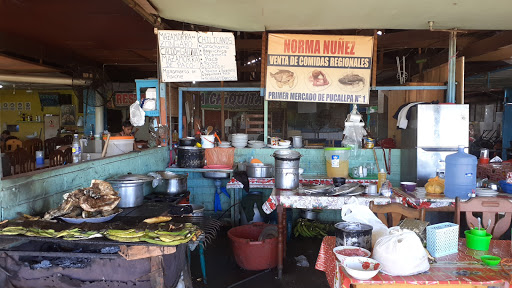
{"x": 460, "y": 175}
{"x": 336, "y": 161}
{"x": 490, "y": 260}
{"x": 506, "y": 187}
{"x": 484, "y": 156}
{"x": 40, "y": 157}
{"x": 207, "y": 141}
{"x": 251, "y": 254}
{"x": 381, "y": 179}
{"x": 477, "y": 242}
{"x": 442, "y": 239}
{"x": 76, "y": 149}
{"x": 119, "y": 145}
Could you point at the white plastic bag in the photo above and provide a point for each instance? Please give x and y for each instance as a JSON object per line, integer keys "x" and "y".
{"x": 354, "y": 212}
{"x": 137, "y": 114}
{"x": 401, "y": 253}
{"x": 149, "y": 105}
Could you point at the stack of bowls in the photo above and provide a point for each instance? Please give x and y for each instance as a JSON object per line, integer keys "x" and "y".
{"x": 256, "y": 144}
{"x": 478, "y": 239}
{"x": 239, "y": 140}
{"x": 224, "y": 144}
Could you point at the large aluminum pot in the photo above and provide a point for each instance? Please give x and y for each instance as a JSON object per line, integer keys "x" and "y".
{"x": 286, "y": 158}
{"x": 259, "y": 170}
{"x": 130, "y": 188}
{"x": 354, "y": 234}
{"x": 287, "y": 178}
{"x": 190, "y": 157}
{"x": 171, "y": 183}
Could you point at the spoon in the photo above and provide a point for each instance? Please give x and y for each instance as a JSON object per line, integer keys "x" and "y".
{"x": 479, "y": 223}
{"x": 209, "y": 130}
{"x": 488, "y": 224}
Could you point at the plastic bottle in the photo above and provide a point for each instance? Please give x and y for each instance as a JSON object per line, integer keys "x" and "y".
{"x": 76, "y": 149}
{"x": 460, "y": 174}
{"x": 382, "y": 178}
{"x": 175, "y": 137}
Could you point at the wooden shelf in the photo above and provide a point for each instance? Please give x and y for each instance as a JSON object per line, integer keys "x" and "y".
{"x": 29, "y": 122}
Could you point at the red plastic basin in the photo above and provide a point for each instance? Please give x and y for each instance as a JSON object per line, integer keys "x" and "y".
{"x": 250, "y": 253}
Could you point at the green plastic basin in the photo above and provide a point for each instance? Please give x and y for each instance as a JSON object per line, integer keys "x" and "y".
{"x": 478, "y": 242}
{"x": 490, "y": 260}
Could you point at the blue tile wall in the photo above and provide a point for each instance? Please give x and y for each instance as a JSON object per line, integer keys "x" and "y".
{"x": 36, "y": 193}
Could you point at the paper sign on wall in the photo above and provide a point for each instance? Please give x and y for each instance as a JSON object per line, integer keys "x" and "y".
{"x": 319, "y": 68}
{"x": 187, "y": 56}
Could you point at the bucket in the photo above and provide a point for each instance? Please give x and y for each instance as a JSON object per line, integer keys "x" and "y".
{"x": 207, "y": 141}
{"x": 119, "y": 145}
{"x": 460, "y": 175}
{"x": 336, "y": 161}
{"x": 251, "y": 254}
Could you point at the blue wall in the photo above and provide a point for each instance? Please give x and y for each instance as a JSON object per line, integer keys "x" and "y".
{"x": 313, "y": 162}
{"x": 36, "y": 192}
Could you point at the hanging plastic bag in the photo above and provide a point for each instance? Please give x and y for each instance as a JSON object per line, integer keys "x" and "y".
{"x": 401, "y": 253}
{"x": 149, "y": 104}
{"x": 137, "y": 115}
{"x": 354, "y": 212}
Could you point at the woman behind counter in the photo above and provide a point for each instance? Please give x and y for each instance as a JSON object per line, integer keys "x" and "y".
{"x": 128, "y": 131}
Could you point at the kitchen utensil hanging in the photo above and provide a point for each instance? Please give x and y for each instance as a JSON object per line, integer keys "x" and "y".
{"x": 401, "y": 75}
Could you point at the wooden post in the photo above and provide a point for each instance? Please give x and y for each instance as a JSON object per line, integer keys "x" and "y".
{"x": 222, "y": 133}
{"x": 374, "y": 60}
{"x": 262, "y": 83}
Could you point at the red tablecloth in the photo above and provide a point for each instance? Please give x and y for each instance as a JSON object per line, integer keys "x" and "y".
{"x": 459, "y": 268}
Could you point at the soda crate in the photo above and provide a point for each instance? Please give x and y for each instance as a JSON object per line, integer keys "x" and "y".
{"x": 442, "y": 239}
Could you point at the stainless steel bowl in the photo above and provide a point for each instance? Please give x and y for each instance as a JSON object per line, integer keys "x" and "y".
{"x": 260, "y": 170}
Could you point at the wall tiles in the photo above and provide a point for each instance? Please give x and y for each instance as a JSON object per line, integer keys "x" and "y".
{"x": 36, "y": 193}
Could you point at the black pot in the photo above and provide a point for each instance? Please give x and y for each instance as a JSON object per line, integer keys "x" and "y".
{"x": 190, "y": 157}
{"x": 338, "y": 181}
{"x": 354, "y": 234}
{"x": 189, "y": 141}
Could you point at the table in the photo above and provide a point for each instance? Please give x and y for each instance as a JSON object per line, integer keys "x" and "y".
{"x": 46, "y": 164}
{"x": 457, "y": 270}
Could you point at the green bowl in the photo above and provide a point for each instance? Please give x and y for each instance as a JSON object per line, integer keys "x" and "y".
{"x": 478, "y": 242}
{"x": 491, "y": 260}
{"x": 478, "y": 232}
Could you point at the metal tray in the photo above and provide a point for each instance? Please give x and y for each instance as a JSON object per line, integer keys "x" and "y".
{"x": 89, "y": 220}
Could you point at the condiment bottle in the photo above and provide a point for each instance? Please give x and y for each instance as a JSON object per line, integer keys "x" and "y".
{"x": 382, "y": 179}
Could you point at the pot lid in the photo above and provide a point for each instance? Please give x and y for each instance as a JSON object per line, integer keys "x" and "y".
{"x": 191, "y": 148}
{"x": 257, "y": 165}
{"x": 353, "y": 227}
{"x": 287, "y": 154}
{"x": 131, "y": 178}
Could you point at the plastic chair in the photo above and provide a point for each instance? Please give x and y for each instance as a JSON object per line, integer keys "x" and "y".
{"x": 391, "y": 214}
{"x": 12, "y": 144}
{"x": 57, "y": 158}
{"x": 491, "y": 208}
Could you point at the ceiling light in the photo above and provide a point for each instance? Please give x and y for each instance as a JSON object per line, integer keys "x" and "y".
{"x": 379, "y": 33}
{"x": 1, "y": 86}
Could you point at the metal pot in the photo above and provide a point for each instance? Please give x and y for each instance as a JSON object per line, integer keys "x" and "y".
{"x": 259, "y": 170}
{"x": 171, "y": 183}
{"x": 354, "y": 234}
{"x": 130, "y": 188}
{"x": 287, "y": 178}
{"x": 287, "y": 159}
{"x": 189, "y": 141}
{"x": 190, "y": 157}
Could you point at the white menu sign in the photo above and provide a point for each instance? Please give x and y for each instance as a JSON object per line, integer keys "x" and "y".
{"x": 187, "y": 56}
